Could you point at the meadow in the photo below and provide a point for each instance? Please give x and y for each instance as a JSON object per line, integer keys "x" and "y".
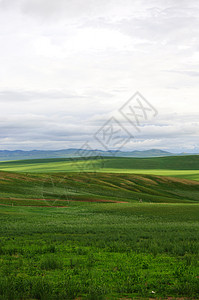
{"x": 176, "y": 166}
{"x": 98, "y": 235}
{"x": 100, "y": 251}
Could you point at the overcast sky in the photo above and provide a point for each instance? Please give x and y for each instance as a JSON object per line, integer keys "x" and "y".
{"x": 66, "y": 68}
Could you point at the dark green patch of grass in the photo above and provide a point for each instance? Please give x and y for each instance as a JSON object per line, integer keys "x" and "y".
{"x": 190, "y": 162}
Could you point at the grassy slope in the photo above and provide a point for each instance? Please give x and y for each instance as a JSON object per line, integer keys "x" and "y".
{"x": 182, "y": 166}
{"x": 59, "y": 188}
{"x": 98, "y": 250}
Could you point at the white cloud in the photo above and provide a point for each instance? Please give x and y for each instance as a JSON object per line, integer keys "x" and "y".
{"x": 67, "y": 65}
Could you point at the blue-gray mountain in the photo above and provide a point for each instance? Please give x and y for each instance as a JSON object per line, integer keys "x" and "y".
{"x": 6, "y": 155}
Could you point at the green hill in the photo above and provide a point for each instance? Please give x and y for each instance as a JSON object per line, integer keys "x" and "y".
{"x": 177, "y": 166}
{"x": 164, "y": 163}
{"x": 63, "y": 188}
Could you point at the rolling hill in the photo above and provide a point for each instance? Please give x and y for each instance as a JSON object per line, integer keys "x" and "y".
{"x": 177, "y": 166}
{"x": 33, "y": 182}
{"x": 60, "y": 189}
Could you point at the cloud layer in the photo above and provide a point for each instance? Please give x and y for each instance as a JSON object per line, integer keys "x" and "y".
{"x": 68, "y": 66}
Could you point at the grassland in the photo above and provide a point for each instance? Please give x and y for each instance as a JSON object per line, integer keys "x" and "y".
{"x": 182, "y": 166}
{"x": 99, "y": 235}
{"x": 61, "y": 188}
{"x": 100, "y": 251}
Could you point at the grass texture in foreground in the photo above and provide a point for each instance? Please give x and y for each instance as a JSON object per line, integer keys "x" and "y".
{"x": 177, "y": 166}
{"x": 100, "y": 251}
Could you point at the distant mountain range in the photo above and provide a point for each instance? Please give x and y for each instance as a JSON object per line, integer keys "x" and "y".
{"x": 6, "y": 155}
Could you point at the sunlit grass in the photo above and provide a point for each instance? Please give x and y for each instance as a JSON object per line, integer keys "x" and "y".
{"x": 184, "y": 167}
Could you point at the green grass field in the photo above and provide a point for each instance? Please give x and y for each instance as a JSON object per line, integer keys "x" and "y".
{"x": 61, "y": 188}
{"x": 100, "y": 251}
{"x": 182, "y": 166}
{"x": 124, "y": 232}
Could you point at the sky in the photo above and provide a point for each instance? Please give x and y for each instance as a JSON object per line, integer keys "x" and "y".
{"x": 68, "y": 67}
